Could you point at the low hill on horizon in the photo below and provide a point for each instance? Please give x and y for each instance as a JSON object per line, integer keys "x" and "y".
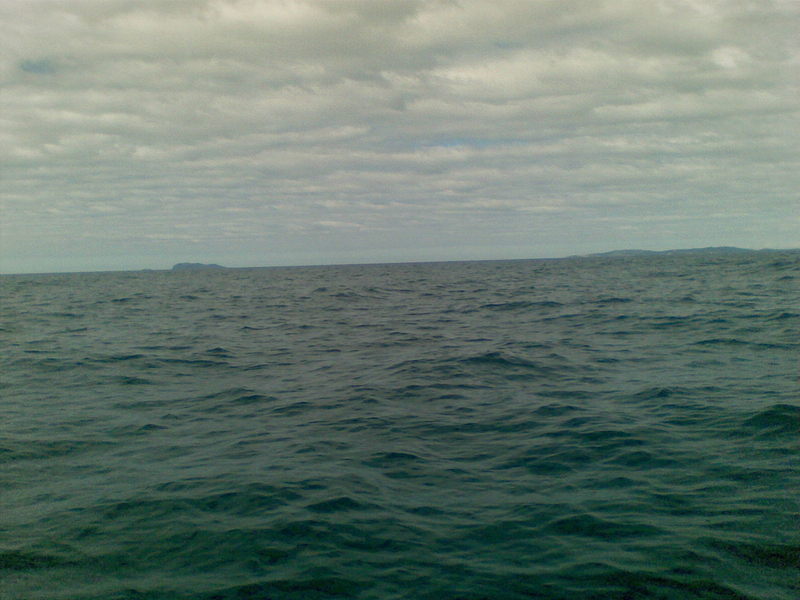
{"x": 705, "y": 250}
{"x": 195, "y": 266}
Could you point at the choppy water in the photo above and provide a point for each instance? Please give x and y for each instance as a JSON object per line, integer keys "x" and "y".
{"x": 579, "y": 428}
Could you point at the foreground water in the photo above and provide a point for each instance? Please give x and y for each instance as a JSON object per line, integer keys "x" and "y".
{"x": 580, "y": 428}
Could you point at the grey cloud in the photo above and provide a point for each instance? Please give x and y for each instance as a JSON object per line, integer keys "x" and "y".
{"x": 41, "y": 66}
{"x": 165, "y": 123}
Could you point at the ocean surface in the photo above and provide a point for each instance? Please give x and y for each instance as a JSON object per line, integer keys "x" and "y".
{"x": 586, "y": 428}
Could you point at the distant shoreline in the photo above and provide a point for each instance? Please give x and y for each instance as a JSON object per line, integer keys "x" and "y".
{"x": 705, "y": 250}
{"x": 628, "y": 253}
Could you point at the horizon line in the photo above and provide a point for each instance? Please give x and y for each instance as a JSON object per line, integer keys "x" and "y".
{"x": 607, "y": 253}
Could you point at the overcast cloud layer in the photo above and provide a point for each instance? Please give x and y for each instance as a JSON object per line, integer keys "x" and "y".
{"x": 139, "y": 134}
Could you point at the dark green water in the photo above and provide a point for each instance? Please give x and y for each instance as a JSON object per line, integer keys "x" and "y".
{"x": 580, "y": 428}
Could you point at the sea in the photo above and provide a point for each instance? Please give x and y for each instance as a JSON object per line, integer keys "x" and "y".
{"x": 584, "y": 428}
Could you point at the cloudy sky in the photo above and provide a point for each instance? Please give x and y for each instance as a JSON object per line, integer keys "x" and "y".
{"x": 137, "y": 134}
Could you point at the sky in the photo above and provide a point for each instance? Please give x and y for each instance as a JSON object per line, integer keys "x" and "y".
{"x": 290, "y": 132}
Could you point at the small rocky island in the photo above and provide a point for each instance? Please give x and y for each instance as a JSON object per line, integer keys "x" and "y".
{"x": 195, "y": 267}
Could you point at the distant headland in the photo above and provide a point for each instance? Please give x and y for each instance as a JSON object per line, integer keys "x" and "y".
{"x": 710, "y": 251}
{"x": 195, "y": 267}
{"x": 706, "y": 250}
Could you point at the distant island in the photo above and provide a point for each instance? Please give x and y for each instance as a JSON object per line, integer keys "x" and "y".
{"x": 195, "y": 267}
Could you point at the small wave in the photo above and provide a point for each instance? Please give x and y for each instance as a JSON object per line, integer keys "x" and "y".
{"x": 391, "y": 459}
{"x": 41, "y": 449}
{"x": 521, "y": 305}
{"x": 601, "y": 581}
{"x": 738, "y": 342}
{"x": 782, "y": 264}
{"x": 136, "y": 430}
{"x": 502, "y": 360}
{"x": 659, "y": 393}
{"x": 129, "y": 380}
{"x": 335, "y": 505}
{"x": 594, "y": 527}
{"x": 195, "y": 362}
{"x": 773, "y": 556}
{"x": 673, "y": 322}
{"x": 231, "y": 398}
{"x": 119, "y": 358}
{"x": 556, "y": 410}
{"x": 51, "y": 365}
{"x": 777, "y": 420}
{"x": 219, "y": 351}
{"x": 783, "y": 315}
{"x": 312, "y": 588}
{"x": 24, "y": 561}
{"x": 641, "y": 459}
{"x": 610, "y": 300}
